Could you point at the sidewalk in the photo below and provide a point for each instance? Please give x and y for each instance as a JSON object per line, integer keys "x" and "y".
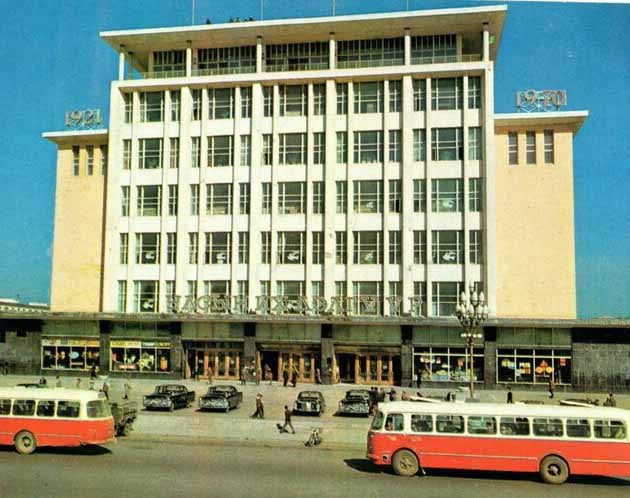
{"x": 237, "y": 425}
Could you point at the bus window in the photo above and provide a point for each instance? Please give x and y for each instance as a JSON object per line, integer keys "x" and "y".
{"x": 68, "y": 409}
{"x": 5, "y": 406}
{"x": 45, "y": 408}
{"x": 578, "y": 427}
{"x": 98, "y": 409}
{"x": 422, "y": 423}
{"x": 609, "y": 429}
{"x": 548, "y": 427}
{"x": 377, "y": 423}
{"x": 394, "y": 422}
{"x": 482, "y": 425}
{"x": 24, "y": 407}
{"x": 514, "y": 426}
{"x": 450, "y": 424}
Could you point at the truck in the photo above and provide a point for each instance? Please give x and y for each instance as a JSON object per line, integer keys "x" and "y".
{"x": 124, "y": 413}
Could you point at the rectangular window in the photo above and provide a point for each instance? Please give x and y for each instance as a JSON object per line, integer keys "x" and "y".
{"x": 474, "y": 143}
{"x": 476, "y": 247}
{"x": 291, "y": 197}
{"x": 609, "y": 429}
{"x": 293, "y": 100}
{"x": 296, "y": 56}
{"x": 175, "y": 104}
{"x": 368, "y": 97}
{"x": 169, "y": 294}
{"x": 291, "y": 248}
{"x": 124, "y": 248}
{"x": 75, "y": 160}
{"x": 149, "y": 200}
{"x": 128, "y": 100}
{"x": 446, "y": 93}
{"x": 318, "y": 248}
{"x": 368, "y": 146}
{"x": 319, "y": 148}
{"x": 171, "y": 248}
{"x": 319, "y": 99}
{"x": 169, "y": 64}
{"x": 292, "y": 148}
{"x": 292, "y": 290}
{"x": 318, "y": 197}
{"x": 446, "y": 144}
{"x": 147, "y": 248}
{"x": 482, "y": 425}
{"x": 145, "y": 296}
{"x": 122, "y": 296}
{"x": 419, "y": 303}
{"x": 151, "y": 107}
{"x": 220, "y": 151}
{"x": 218, "y": 248}
{"x": 240, "y": 305}
{"x": 368, "y": 196}
{"x": 150, "y": 153}
{"x": 578, "y": 427}
{"x": 172, "y": 200}
{"x": 419, "y": 95}
{"x": 191, "y": 288}
{"x": 217, "y": 288}
{"x": 367, "y": 298}
{"x": 124, "y": 208}
{"x": 446, "y": 195}
{"x": 126, "y": 154}
{"x": 265, "y": 248}
{"x": 548, "y": 146}
{"x": 342, "y": 147}
{"x": 445, "y": 296}
{"x": 548, "y": 427}
{"x": 534, "y": 366}
{"x": 268, "y": 101}
{"x": 530, "y": 147}
{"x": 220, "y": 103}
{"x": 246, "y": 150}
{"x": 89, "y": 149}
{"x": 194, "y": 200}
{"x": 419, "y": 196}
{"x": 447, "y": 247}
{"x": 219, "y": 198}
{"x": 422, "y": 423}
{"x": 196, "y": 105}
{"x": 512, "y": 147}
{"x": 419, "y": 247}
{"x": 243, "y": 198}
{"x": 419, "y": 145}
{"x": 266, "y": 198}
{"x": 267, "y": 149}
{"x": 103, "y": 149}
{"x": 341, "y": 251}
{"x": 193, "y": 248}
{"x": 246, "y": 102}
{"x": 174, "y": 159}
{"x": 395, "y": 95}
{"x": 342, "y": 98}
{"x": 395, "y": 249}
{"x": 514, "y": 426}
{"x": 195, "y": 152}
{"x": 395, "y": 196}
{"x": 341, "y": 197}
{"x": 474, "y": 92}
{"x": 395, "y": 146}
{"x": 368, "y": 248}
{"x": 243, "y": 247}
{"x": 395, "y": 297}
{"x": 475, "y": 188}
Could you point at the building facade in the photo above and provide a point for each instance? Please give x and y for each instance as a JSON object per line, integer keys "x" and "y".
{"x": 315, "y": 193}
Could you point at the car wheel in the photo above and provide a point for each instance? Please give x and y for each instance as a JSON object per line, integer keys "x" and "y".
{"x": 554, "y": 470}
{"x": 405, "y": 463}
{"x": 25, "y": 443}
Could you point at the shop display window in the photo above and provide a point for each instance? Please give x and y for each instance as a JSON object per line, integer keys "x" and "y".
{"x": 534, "y": 366}
{"x": 139, "y": 356}
{"x": 69, "y": 354}
{"x": 448, "y": 364}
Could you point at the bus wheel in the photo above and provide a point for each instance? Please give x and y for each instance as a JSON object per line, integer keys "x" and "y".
{"x": 405, "y": 463}
{"x": 554, "y": 470}
{"x": 25, "y": 443}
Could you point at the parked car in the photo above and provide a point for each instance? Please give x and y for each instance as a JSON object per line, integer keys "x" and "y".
{"x": 356, "y": 402}
{"x": 221, "y": 398}
{"x": 309, "y": 403}
{"x": 169, "y": 397}
{"x": 124, "y": 413}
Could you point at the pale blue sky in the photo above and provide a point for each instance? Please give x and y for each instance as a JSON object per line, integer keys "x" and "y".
{"x": 54, "y": 61}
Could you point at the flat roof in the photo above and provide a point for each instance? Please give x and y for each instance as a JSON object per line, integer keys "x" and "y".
{"x": 574, "y": 119}
{"x": 76, "y": 136}
{"x": 466, "y": 21}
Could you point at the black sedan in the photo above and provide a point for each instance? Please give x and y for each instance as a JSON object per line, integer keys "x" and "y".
{"x": 356, "y": 402}
{"x": 309, "y": 403}
{"x": 221, "y": 398}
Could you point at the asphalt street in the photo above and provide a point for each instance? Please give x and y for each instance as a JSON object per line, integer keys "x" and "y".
{"x": 192, "y": 467}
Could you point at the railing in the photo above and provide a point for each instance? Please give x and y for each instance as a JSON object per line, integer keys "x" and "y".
{"x": 211, "y": 71}
{"x": 370, "y": 63}
{"x": 445, "y": 59}
{"x": 310, "y": 66}
{"x": 138, "y": 75}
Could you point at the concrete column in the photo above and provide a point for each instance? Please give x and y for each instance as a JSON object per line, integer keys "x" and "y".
{"x": 465, "y": 176}
{"x": 327, "y": 361}
{"x": 406, "y": 364}
{"x": 177, "y": 356}
{"x": 406, "y": 185}
{"x": 188, "y": 59}
{"x": 121, "y": 63}
{"x": 486, "y": 42}
{"x": 259, "y": 55}
{"x": 428, "y": 214}
{"x": 255, "y": 194}
{"x": 407, "y": 61}
{"x": 104, "y": 354}
{"x": 332, "y": 51}
{"x": 330, "y": 186}
{"x": 490, "y": 364}
{"x": 249, "y": 349}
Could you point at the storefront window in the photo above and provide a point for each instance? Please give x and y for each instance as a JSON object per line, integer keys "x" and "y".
{"x": 69, "y": 354}
{"x": 140, "y": 356}
{"x": 534, "y": 366}
{"x": 448, "y": 364}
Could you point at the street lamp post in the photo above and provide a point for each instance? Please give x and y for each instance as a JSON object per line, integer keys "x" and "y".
{"x": 471, "y": 313}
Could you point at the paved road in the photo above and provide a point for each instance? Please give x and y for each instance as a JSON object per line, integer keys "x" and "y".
{"x": 152, "y": 468}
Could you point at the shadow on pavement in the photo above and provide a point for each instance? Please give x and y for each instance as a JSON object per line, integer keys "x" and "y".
{"x": 364, "y": 465}
{"x": 90, "y": 450}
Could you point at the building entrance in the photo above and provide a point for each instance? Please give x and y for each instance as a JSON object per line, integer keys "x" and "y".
{"x": 304, "y": 359}
{"x": 381, "y": 368}
{"x": 218, "y": 360}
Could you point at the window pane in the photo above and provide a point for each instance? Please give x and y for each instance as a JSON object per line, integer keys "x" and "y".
{"x": 449, "y": 424}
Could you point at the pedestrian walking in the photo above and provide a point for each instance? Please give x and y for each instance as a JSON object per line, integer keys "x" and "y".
{"x": 268, "y": 374}
{"x": 551, "y": 387}
{"x": 260, "y": 407}
{"x": 127, "y": 387}
{"x": 58, "y": 381}
{"x": 294, "y": 376}
{"x": 258, "y": 375}
{"x": 419, "y": 377}
{"x": 105, "y": 390}
{"x": 610, "y": 400}
{"x": 243, "y": 374}
{"x": 78, "y": 383}
{"x": 210, "y": 375}
{"x": 287, "y": 420}
{"x": 318, "y": 376}
{"x": 285, "y": 376}
{"x": 510, "y": 395}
